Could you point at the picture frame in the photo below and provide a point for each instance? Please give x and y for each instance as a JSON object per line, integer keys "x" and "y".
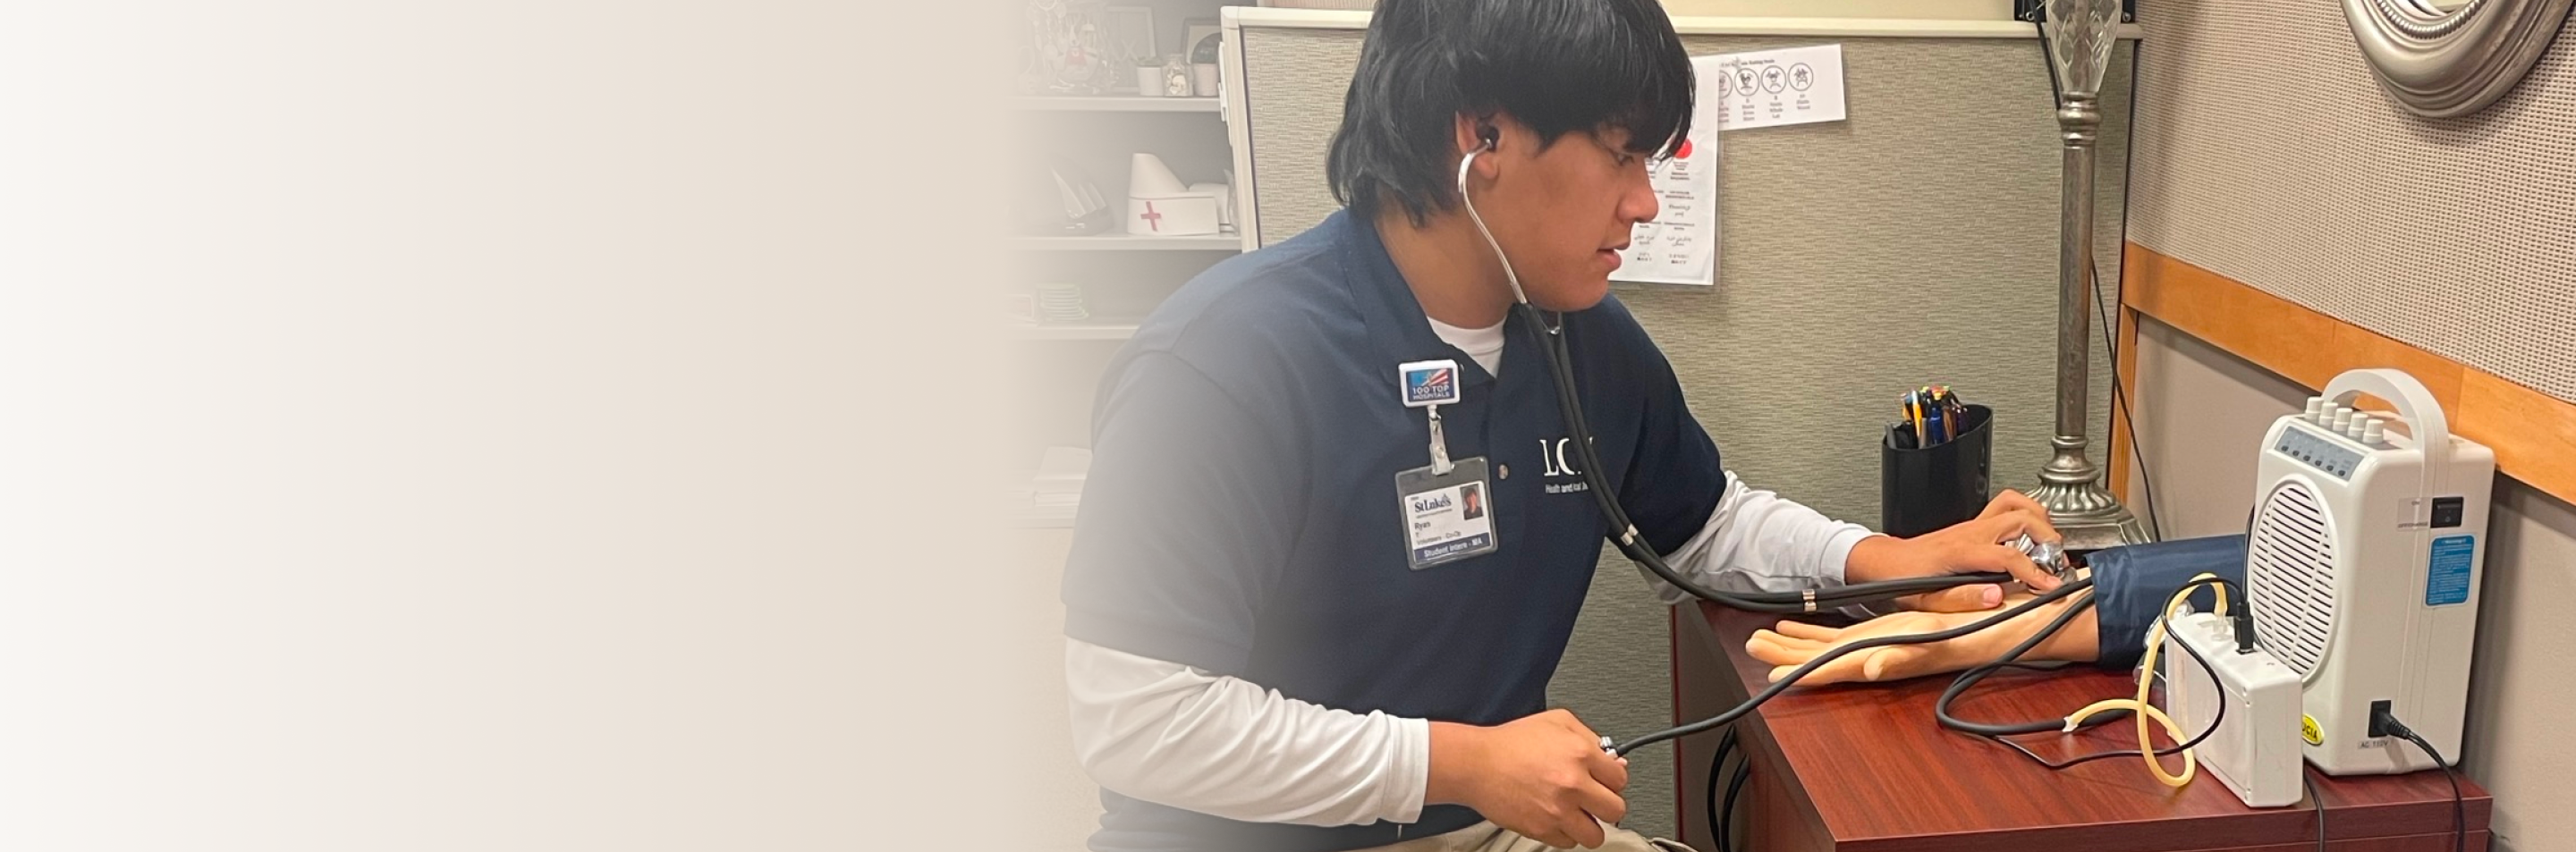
{"x": 1194, "y": 29}
{"x": 1131, "y": 36}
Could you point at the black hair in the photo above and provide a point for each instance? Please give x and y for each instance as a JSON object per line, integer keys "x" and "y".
{"x": 1557, "y": 66}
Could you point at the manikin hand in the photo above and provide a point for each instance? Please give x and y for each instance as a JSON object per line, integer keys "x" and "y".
{"x": 1793, "y": 643}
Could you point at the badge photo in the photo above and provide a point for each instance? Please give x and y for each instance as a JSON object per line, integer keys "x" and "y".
{"x": 1447, "y": 517}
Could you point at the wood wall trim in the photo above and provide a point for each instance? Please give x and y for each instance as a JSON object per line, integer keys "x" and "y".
{"x": 2533, "y": 434}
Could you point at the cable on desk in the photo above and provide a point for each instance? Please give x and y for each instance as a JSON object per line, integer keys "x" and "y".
{"x": 1716, "y": 827}
{"x": 1726, "y": 821}
{"x": 2387, "y": 721}
{"x": 2184, "y": 747}
{"x": 1791, "y": 679}
{"x": 2146, "y": 680}
{"x": 2059, "y": 726}
{"x": 2305, "y": 781}
{"x": 2010, "y": 659}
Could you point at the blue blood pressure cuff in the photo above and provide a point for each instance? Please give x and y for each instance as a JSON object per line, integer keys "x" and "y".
{"x": 2132, "y": 582}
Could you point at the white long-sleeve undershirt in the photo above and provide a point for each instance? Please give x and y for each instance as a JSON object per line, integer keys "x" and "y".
{"x": 1168, "y": 733}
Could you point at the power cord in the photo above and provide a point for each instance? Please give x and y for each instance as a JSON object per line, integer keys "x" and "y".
{"x": 2384, "y": 722}
{"x": 2243, "y": 619}
{"x": 2147, "y": 673}
{"x": 1791, "y": 679}
{"x": 2120, "y": 402}
{"x": 1716, "y": 765}
{"x": 1999, "y": 732}
{"x": 2012, "y": 658}
{"x": 1726, "y": 819}
{"x": 2320, "y": 802}
{"x": 1721, "y": 818}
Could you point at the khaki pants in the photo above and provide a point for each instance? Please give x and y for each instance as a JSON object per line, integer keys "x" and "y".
{"x": 1488, "y": 837}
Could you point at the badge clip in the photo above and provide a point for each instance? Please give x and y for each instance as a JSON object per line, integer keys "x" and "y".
{"x": 1429, "y": 385}
{"x": 1440, "y": 465}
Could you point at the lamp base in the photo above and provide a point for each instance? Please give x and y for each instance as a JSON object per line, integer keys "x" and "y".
{"x": 2088, "y": 516}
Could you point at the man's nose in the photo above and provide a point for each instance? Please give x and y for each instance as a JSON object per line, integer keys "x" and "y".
{"x": 1640, "y": 203}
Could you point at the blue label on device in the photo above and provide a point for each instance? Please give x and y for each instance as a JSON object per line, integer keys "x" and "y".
{"x": 2449, "y": 580}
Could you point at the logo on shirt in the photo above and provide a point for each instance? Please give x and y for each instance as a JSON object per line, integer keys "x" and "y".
{"x": 1558, "y": 456}
{"x": 1430, "y": 382}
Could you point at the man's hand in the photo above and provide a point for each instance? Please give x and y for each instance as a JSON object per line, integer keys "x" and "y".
{"x": 1544, "y": 777}
{"x": 1964, "y": 548}
{"x": 1795, "y": 643}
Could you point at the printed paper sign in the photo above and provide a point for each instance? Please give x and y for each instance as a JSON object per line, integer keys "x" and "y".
{"x": 1769, "y": 88}
{"x": 1680, "y": 246}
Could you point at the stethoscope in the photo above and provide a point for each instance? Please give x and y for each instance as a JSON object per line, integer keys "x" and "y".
{"x": 1551, "y": 335}
{"x": 1551, "y": 339}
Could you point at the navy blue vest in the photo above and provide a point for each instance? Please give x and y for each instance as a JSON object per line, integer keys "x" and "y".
{"x": 1241, "y": 514}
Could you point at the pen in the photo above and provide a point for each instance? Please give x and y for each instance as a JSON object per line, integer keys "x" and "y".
{"x": 1914, "y": 417}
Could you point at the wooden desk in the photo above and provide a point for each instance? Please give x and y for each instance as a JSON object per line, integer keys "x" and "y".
{"x": 1864, "y": 768}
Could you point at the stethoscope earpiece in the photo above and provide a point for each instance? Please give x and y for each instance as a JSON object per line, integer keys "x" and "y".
{"x": 1464, "y": 163}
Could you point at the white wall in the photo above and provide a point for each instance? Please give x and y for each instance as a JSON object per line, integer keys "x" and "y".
{"x": 1065, "y": 804}
{"x": 2191, "y": 398}
{"x": 2201, "y": 417}
{"x": 498, "y": 425}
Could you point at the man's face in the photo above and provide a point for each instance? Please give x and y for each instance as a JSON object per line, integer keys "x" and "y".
{"x": 1564, "y": 214}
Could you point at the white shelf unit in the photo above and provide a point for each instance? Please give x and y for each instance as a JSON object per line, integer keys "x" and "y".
{"x": 1114, "y": 103}
{"x": 1122, "y": 276}
{"x": 1123, "y": 241}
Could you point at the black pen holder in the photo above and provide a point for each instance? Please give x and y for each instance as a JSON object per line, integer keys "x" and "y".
{"x": 1926, "y": 489}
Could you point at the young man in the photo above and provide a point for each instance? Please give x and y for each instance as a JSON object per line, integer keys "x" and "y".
{"x": 1267, "y": 652}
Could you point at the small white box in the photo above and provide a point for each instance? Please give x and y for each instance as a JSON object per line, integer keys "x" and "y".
{"x": 1159, "y": 205}
{"x": 2255, "y": 750}
{"x": 1175, "y": 216}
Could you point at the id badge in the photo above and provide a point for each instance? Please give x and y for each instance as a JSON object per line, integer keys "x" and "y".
{"x": 1447, "y": 516}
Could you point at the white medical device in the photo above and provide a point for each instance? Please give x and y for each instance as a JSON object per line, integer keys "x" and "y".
{"x": 2363, "y": 564}
{"x": 2254, "y": 701}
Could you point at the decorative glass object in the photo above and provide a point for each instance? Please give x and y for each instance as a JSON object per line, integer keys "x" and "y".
{"x": 1064, "y": 49}
{"x": 2080, "y": 33}
{"x": 1176, "y": 76}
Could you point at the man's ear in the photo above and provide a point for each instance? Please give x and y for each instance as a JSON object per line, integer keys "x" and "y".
{"x": 1470, "y": 133}
{"x": 1475, "y": 134}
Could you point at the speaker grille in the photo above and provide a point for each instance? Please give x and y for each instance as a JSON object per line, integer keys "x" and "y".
{"x": 2289, "y": 574}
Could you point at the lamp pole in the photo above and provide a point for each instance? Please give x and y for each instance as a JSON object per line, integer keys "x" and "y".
{"x": 2080, "y": 35}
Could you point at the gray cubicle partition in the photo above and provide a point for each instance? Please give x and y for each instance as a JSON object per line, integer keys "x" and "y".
{"x": 1914, "y": 242}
